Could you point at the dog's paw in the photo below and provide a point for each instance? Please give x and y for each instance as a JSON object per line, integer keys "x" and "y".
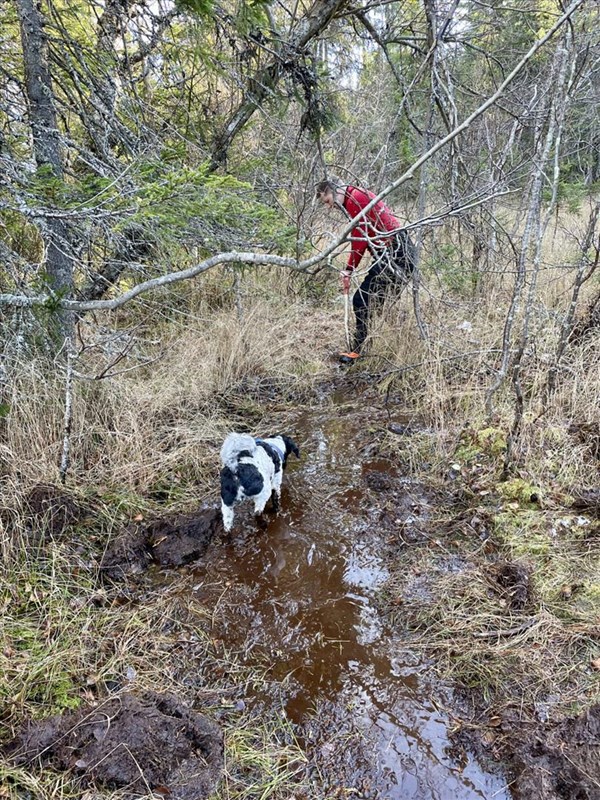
{"x": 261, "y": 521}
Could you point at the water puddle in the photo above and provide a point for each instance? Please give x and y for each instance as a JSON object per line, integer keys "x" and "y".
{"x": 299, "y": 602}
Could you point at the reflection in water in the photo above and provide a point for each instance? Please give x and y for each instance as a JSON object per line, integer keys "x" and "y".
{"x": 307, "y": 606}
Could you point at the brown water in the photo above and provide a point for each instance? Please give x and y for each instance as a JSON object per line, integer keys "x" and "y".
{"x": 299, "y": 603}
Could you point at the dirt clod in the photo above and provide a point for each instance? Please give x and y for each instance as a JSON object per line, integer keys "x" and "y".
{"x": 127, "y": 555}
{"x": 180, "y": 540}
{"x": 515, "y": 581}
{"x": 560, "y": 763}
{"x": 170, "y": 541}
{"x": 129, "y": 741}
{"x": 379, "y": 481}
{"x": 49, "y": 510}
{"x": 587, "y": 500}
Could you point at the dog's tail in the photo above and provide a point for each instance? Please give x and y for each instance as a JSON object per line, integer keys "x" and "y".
{"x": 234, "y": 444}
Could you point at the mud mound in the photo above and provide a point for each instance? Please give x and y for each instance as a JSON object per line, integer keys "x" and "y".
{"x": 128, "y": 554}
{"x": 169, "y": 541}
{"x": 49, "y": 510}
{"x": 152, "y": 741}
{"x": 182, "y": 539}
{"x": 561, "y": 763}
{"x": 588, "y": 434}
{"x": 587, "y": 501}
{"x": 515, "y": 581}
{"x": 380, "y": 481}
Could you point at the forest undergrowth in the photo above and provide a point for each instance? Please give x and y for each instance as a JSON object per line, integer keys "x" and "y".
{"x": 157, "y": 387}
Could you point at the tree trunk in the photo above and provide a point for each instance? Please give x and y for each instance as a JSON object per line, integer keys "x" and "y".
{"x": 46, "y": 147}
{"x": 104, "y": 129}
{"x": 555, "y": 115}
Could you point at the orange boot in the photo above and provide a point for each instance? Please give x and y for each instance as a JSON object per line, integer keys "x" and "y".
{"x": 349, "y": 358}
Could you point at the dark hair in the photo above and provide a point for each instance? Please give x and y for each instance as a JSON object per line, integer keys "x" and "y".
{"x": 331, "y": 184}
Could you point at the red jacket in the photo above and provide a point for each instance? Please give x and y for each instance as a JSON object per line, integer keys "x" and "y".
{"x": 371, "y": 229}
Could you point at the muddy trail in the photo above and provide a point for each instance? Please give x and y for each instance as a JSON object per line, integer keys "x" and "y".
{"x": 289, "y": 627}
{"x": 298, "y": 601}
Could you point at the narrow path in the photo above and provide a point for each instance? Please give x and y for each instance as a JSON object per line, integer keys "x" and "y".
{"x": 300, "y": 600}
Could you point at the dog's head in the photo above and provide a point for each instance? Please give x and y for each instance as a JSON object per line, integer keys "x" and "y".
{"x": 290, "y": 445}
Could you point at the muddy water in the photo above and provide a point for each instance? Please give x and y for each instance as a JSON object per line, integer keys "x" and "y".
{"x": 299, "y": 604}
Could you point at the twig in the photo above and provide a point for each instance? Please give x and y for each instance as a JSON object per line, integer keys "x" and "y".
{"x": 507, "y": 631}
{"x": 105, "y": 374}
{"x": 68, "y": 415}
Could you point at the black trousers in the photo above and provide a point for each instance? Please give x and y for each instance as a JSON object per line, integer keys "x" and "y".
{"x": 391, "y": 270}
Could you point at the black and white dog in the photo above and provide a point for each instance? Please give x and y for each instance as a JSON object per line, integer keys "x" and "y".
{"x": 252, "y": 469}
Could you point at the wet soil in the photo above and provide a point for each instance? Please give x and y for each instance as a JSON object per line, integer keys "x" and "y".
{"x": 299, "y": 602}
{"x": 147, "y": 742}
{"x": 170, "y": 541}
{"x": 515, "y": 581}
{"x": 544, "y": 761}
{"x": 556, "y": 762}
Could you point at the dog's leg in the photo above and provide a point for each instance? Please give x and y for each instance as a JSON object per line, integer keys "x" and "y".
{"x": 260, "y": 501}
{"x": 276, "y": 494}
{"x": 227, "y": 514}
{"x": 275, "y": 500}
{"x": 261, "y": 521}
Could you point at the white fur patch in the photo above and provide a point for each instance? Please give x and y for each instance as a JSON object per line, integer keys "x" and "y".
{"x": 234, "y": 444}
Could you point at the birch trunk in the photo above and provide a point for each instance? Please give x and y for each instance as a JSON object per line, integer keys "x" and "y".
{"x": 559, "y": 89}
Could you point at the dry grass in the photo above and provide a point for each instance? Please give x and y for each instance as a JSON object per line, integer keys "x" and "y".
{"x": 150, "y": 435}
{"x": 157, "y": 429}
{"x": 532, "y": 655}
{"x": 445, "y": 378}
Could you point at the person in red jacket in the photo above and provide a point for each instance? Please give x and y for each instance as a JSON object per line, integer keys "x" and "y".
{"x": 379, "y": 231}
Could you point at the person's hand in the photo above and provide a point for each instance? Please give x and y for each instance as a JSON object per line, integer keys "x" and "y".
{"x": 345, "y": 280}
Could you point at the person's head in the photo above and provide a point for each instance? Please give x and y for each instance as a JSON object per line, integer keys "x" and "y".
{"x": 330, "y": 192}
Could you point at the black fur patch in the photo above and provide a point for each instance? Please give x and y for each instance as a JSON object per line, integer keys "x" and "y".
{"x": 229, "y": 486}
{"x": 290, "y": 447}
{"x": 272, "y": 453}
{"x": 250, "y": 478}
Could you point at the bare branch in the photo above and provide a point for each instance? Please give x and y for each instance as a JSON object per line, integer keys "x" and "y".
{"x": 282, "y": 261}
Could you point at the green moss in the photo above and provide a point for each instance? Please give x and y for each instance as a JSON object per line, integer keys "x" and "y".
{"x": 593, "y": 591}
{"x": 476, "y": 445}
{"x": 37, "y": 676}
{"x": 58, "y": 694}
{"x": 522, "y": 532}
{"x": 521, "y": 491}
{"x": 536, "y": 545}
{"x": 467, "y": 453}
{"x": 492, "y": 440}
